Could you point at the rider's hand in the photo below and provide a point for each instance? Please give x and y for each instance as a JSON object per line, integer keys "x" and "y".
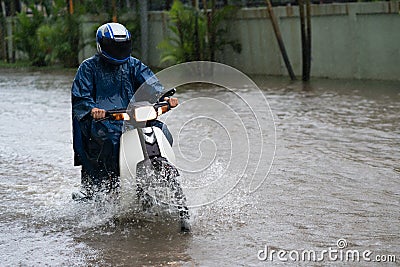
{"x": 173, "y": 101}
{"x": 98, "y": 113}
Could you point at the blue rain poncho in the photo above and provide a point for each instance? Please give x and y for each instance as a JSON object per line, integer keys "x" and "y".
{"x": 103, "y": 85}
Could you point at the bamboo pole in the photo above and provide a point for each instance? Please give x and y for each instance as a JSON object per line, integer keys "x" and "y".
{"x": 280, "y": 41}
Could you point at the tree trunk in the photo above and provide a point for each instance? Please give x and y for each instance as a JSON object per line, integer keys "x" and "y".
{"x": 197, "y": 54}
{"x": 13, "y": 12}
{"x": 144, "y": 30}
{"x": 71, "y": 7}
{"x": 207, "y": 38}
{"x": 2, "y": 32}
{"x": 114, "y": 11}
{"x": 213, "y": 31}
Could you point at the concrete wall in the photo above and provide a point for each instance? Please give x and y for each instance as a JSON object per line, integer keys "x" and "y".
{"x": 352, "y": 40}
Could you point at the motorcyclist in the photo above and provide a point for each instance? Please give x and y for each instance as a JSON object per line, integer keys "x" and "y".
{"x": 108, "y": 80}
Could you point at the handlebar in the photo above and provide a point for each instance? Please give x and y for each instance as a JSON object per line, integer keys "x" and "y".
{"x": 160, "y": 107}
{"x": 169, "y": 93}
{"x": 126, "y": 114}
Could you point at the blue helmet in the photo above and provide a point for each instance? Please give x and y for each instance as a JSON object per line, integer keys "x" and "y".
{"x": 114, "y": 43}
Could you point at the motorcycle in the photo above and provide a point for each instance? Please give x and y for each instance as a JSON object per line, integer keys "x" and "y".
{"x": 146, "y": 161}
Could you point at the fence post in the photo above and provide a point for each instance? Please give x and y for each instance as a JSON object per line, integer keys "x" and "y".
{"x": 305, "y": 28}
{"x": 280, "y": 41}
{"x": 308, "y": 31}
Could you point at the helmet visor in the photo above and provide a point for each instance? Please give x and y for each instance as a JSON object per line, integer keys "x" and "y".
{"x": 117, "y": 50}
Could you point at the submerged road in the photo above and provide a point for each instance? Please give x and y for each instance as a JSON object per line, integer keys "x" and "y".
{"x": 333, "y": 184}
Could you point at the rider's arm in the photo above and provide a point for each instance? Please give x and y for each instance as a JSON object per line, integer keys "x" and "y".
{"x": 82, "y": 91}
{"x": 151, "y": 89}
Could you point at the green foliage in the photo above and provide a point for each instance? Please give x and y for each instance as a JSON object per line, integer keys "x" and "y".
{"x": 188, "y": 35}
{"x": 44, "y": 36}
{"x": 26, "y": 38}
{"x": 196, "y": 35}
{"x": 48, "y": 36}
{"x": 65, "y": 37}
{"x": 94, "y": 7}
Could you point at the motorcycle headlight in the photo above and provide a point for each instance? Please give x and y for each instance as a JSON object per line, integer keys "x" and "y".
{"x": 146, "y": 113}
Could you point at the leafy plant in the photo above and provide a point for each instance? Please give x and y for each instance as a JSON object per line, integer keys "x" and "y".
{"x": 26, "y": 38}
{"x": 187, "y": 40}
{"x": 52, "y": 35}
{"x": 196, "y": 35}
{"x": 49, "y": 36}
{"x": 217, "y": 34}
{"x": 65, "y": 36}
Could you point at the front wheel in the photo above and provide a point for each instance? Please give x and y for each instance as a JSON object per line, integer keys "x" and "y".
{"x": 158, "y": 187}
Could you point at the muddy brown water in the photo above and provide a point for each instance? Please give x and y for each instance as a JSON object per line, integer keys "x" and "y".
{"x": 335, "y": 176}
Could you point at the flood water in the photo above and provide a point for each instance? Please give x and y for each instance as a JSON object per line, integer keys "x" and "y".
{"x": 335, "y": 175}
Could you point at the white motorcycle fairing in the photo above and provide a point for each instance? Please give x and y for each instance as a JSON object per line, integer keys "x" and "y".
{"x": 131, "y": 153}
